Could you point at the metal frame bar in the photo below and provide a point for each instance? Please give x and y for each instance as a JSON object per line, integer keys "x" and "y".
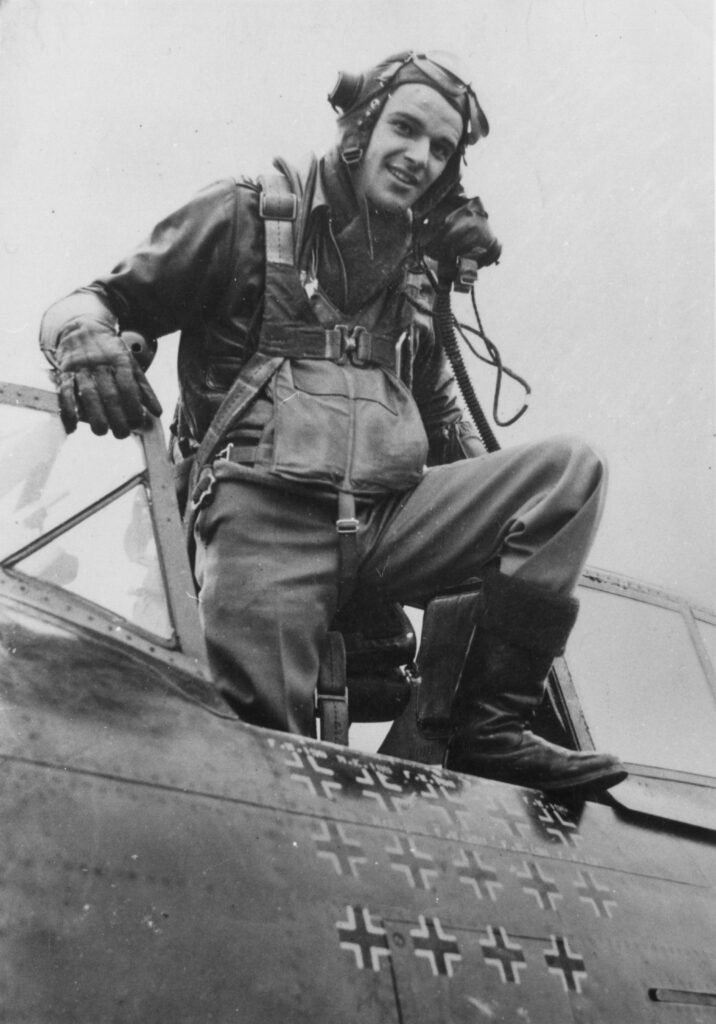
{"x": 173, "y": 558}
{"x": 74, "y": 520}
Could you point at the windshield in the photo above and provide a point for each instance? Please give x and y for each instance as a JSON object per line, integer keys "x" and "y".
{"x": 76, "y": 514}
{"x": 643, "y": 675}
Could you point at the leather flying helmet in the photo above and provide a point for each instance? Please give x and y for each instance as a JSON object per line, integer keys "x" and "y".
{"x": 359, "y": 100}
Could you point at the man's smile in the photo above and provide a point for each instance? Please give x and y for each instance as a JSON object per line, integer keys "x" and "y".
{"x": 403, "y": 176}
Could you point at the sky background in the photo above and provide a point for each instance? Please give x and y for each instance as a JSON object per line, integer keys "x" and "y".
{"x": 597, "y": 174}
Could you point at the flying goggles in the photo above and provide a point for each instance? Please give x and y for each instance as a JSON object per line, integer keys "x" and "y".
{"x": 439, "y": 69}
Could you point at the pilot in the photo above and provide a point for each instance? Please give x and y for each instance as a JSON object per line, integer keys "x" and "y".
{"x": 337, "y": 458}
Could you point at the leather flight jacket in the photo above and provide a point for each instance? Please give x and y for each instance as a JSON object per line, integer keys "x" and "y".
{"x": 203, "y": 272}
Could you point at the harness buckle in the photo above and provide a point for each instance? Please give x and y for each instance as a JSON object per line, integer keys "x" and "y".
{"x": 273, "y": 206}
{"x": 204, "y": 491}
{"x": 349, "y": 524}
{"x": 354, "y": 344}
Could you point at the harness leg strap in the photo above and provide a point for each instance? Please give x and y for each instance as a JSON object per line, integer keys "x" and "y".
{"x": 347, "y": 529}
{"x": 332, "y": 692}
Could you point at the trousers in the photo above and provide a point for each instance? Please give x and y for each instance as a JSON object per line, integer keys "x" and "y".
{"x": 267, "y": 559}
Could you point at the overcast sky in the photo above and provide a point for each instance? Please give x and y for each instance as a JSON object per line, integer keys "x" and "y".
{"x": 597, "y": 174}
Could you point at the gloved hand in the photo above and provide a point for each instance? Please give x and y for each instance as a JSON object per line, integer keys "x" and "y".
{"x": 100, "y": 381}
{"x": 459, "y": 227}
{"x": 97, "y": 377}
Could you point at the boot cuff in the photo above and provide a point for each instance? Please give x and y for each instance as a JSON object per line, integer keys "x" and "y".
{"x": 527, "y": 615}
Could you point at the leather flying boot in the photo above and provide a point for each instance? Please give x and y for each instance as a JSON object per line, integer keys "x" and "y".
{"x": 520, "y": 629}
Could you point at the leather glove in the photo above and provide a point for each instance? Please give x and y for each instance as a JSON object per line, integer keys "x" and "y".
{"x": 460, "y": 228}
{"x": 97, "y": 377}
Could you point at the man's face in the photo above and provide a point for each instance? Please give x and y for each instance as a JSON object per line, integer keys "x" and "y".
{"x": 416, "y": 134}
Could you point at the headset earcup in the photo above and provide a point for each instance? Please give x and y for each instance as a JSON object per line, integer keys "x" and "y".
{"x": 345, "y": 92}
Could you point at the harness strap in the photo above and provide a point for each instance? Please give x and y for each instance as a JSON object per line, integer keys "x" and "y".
{"x": 258, "y": 369}
{"x": 338, "y": 344}
{"x": 347, "y": 530}
{"x": 278, "y": 207}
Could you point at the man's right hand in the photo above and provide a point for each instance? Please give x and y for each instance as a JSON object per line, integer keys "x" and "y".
{"x": 463, "y": 230}
{"x": 100, "y": 381}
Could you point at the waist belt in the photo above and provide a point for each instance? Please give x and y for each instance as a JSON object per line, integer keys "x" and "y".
{"x": 339, "y": 344}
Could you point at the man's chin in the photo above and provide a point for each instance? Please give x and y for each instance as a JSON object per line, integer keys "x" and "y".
{"x": 394, "y": 204}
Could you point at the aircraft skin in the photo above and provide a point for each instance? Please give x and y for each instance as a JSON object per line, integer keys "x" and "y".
{"x": 164, "y": 862}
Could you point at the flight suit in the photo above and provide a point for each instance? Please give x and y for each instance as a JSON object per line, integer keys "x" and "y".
{"x": 267, "y": 559}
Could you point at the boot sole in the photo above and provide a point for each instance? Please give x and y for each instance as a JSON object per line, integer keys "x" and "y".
{"x": 594, "y": 782}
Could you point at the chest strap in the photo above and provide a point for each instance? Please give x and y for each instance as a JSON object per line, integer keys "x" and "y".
{"x": 339, "y": 344}
{"x": 285, "y": 335}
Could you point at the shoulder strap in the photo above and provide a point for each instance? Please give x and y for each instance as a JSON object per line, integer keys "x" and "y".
{"x": 278, "y": 207}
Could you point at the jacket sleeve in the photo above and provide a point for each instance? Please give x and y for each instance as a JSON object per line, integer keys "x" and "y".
{"x": 451, "y": 433}
{"x": 171, "y": 277}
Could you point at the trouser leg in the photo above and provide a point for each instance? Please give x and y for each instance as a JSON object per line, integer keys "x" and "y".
{"x": 266, "y": 564}
{"x": 267, "y": 560}
{"x": 529, "y": 514}
{"x": 533, "y": 510}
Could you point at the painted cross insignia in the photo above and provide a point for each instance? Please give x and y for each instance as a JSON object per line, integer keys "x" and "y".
{"x": 596, "y": 895}
{"x": 411, "y": 863}
{"x": 543, "y": 889}
{"x": 334, "y": 846}
{"x": 480, "y": 877}
{"x": 505, "y": 955}
{"x": 568, "y": 966}
{"x": 436, "y": 946}
{"x": 364, "y": 936}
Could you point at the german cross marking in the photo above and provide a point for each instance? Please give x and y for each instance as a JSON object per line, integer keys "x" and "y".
{"x": 362, "y": 935}
{"x": 431, "y": 943}
{"x": 540, "y": 886}
{"x": 480, "y": 877}
{"x": 594, "y": 894}
{"x": 405, "y": 859}
{"x": 376, "y": 785}
{"x": 503, "y": 954}
{"x": 516, "y": 823}
{"x": 318, "y": 781}
{"x": 439, "y": 793}
{"x": 568, "y": 966}
{"x": 554, "y": 825}
{"x": 333, "y": 845}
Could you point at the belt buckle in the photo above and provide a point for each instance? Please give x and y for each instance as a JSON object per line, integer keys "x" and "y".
{"x": 353, "y": 343}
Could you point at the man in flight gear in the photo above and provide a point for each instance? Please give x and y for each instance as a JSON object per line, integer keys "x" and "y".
{"x": 313, "y": 396}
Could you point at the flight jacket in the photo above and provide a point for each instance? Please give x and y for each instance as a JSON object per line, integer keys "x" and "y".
{"x": 202, "y": 272}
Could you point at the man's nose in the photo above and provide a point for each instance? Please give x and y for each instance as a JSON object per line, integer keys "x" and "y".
{"x": 418, "y": 151}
